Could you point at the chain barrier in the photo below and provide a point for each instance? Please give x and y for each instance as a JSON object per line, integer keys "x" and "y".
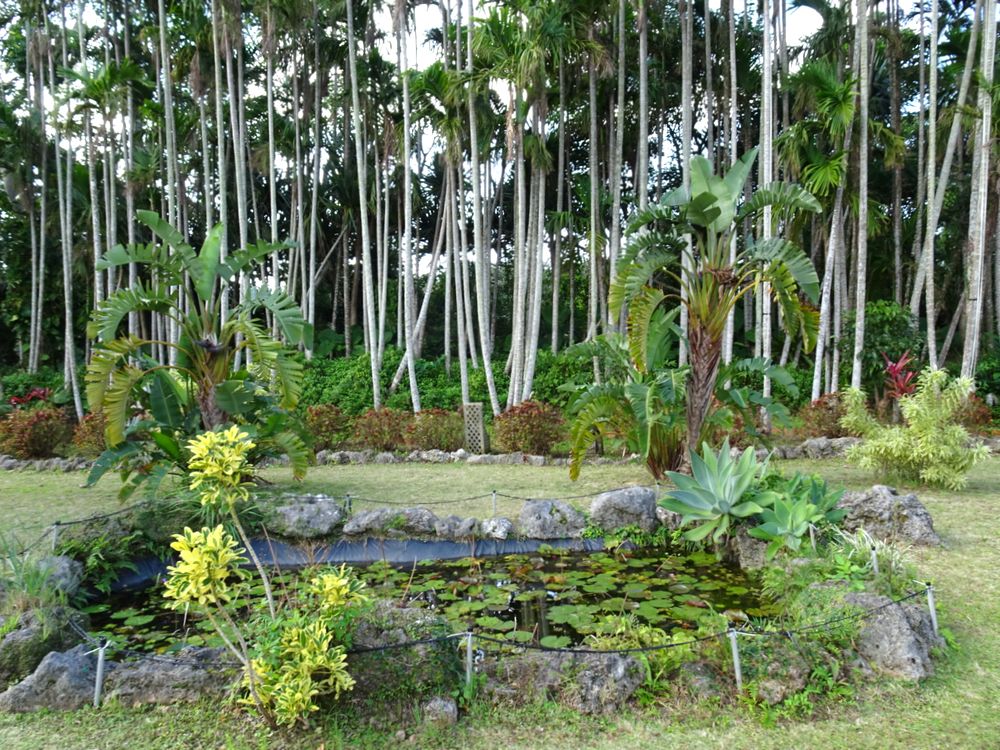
{"x": 102, "y": 645}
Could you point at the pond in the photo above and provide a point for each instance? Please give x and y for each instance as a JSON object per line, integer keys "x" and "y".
{"x": 552, "y": 597}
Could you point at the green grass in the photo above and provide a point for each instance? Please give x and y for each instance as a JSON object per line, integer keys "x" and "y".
{"x": 958, "y": 708}
{"x": 36, "y": 499}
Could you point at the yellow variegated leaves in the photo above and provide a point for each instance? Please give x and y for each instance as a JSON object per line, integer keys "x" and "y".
{"x": 208, "y": 560}
{"x": 336, "y": 590}
{"x": 305, "y": 665}
{"x": 219, "y": 468}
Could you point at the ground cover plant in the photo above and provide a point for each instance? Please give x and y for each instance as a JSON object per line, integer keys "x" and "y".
{"x": 953, "y": 706}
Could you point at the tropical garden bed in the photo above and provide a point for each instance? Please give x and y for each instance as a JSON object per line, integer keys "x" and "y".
{"x": 476, "y": 728}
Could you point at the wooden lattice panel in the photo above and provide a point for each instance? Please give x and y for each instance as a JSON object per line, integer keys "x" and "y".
{"x": 476, "y": 440}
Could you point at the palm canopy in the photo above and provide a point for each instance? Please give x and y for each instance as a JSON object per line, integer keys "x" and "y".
{"x": 715, "y": 277}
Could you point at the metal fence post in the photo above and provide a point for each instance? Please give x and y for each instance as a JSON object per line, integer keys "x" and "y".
{"x": 931, "y": 606}
{"x": 468, "y": 658}
{"x": 874, "y": 561}
{"x": 99, "y": 677}
{"x": 55, "y": 535}
{"x": 350, "y": 508}
{"x": 737, "y": 668}
{"x": 494, "y": 503}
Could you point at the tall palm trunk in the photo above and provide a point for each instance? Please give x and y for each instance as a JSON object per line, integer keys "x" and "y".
{"x": 64, "y": 187}
{"x": 897, "y": 169}
{"x": 593, "y": 177}
{"x": 220, "y": 148}
{"x": 977, "y": 220}
{"x": 560, "y": 182}
{"x": 368, "y": 283}
{"x": 861, "y": 269}
{"x": 538, "y": 253}
{"x": 728, "y": 335}
{"x": 316, "y": 174}
{"x": 642, "y": 160}
{"x": 709, "y": 93}
{"x": 482, "y": 260}
{"x": 272, "y": 180}
{"x": 687, "y": 41}
{"x": 90, "y": 147}
{"x": 766, "y": 175}
{"x": 407, "y": 259}
{"x": 615, "y": 167}
{"x": 928, "y": 253}
{"x": 455, "y": 268}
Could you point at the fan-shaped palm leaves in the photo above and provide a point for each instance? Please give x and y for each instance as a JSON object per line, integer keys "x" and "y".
{"x": 711, "y": 213}
{"x": 186, "y": 287}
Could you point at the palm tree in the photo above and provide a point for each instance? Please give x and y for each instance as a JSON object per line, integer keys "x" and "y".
{"x": 978, "y": 210}
{"x": 861, "y": 272}
{"x": 708, "y": 285}
{"x": 479, "y": 239}
{"x": 361, "y": 167}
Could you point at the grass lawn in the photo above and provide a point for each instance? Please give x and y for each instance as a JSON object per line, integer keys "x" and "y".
{"x": 958, "y": 708}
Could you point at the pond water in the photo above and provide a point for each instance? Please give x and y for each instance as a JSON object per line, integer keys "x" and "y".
{"x": 553, "y": 598}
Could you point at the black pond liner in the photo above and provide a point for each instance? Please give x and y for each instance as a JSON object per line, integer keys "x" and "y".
{"x": 274, "y": 553}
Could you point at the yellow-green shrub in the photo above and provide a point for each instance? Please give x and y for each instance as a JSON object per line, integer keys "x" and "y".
{"x": 930, "y": 446}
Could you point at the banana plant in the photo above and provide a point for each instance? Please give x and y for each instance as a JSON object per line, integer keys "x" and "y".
{"x": 660, "y": 265}
{"x": 713, "y": 496}
{"x": 199, "y": 386}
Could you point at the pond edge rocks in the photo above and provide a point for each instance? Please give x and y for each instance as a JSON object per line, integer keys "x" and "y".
{"x": 887, "y": 515}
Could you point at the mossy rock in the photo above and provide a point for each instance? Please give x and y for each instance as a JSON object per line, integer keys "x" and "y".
{"x": 401, "y": 674}
{"x": 35, "y": 635}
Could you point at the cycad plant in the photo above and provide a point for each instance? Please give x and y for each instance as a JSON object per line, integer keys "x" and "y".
{"x": 199, "y": 386}
{"x": 713, "y": 278}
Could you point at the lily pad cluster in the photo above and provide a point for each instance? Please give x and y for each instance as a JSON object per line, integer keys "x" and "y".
{"x": 554, "y": 599}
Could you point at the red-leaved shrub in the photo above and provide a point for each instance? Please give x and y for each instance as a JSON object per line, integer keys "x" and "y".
{"x": 382, "y": 429}
{"x": 436, "y": 429}
{"x": 328, "y": 426}
{"x": 88, "y": 437}
{"x": 821, "y": 418}
{"x": 34, "y": 433}
{"x": 974, "y": 415}
{"x": 531, "y": 427}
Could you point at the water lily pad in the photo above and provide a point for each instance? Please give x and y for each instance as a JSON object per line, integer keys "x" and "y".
{"x": 494, "y": 623}
{"x": 652, "y": 614}
{"x": 556, "y": 641}
{"x": 138, "y": 620}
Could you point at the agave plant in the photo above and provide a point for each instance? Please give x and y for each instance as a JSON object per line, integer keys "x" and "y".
{"x": 789, "y": 511}
{"x": 199, "y": 386}
{"x": 713, "y": 496}
{"x": 785, "y": 523}
{"x": 703, "y": 276}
